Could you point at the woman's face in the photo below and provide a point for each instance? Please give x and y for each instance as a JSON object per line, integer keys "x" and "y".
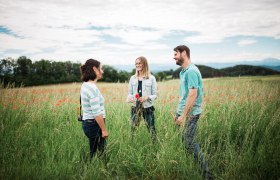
{"x": 99, "y": 72}
{"x": 138, "y": 65}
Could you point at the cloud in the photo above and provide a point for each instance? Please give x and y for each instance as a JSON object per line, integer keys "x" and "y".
{"x": 81, "y": 29}
{"x": 246, "y": 42}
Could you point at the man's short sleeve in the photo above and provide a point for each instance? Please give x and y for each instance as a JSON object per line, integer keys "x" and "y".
{"x": 192, "y": 80}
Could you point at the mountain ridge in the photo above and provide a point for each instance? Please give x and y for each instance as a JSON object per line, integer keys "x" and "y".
{"x": 271, "y": 63}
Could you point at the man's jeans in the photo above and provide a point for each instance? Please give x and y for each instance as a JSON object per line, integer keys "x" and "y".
{"x": 148, "y": 115}
{"x": 188, "y": 138}
{"x": 94, "y": 134}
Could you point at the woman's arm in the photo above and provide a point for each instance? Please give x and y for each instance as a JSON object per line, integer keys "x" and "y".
{"x": 100, "y": 121}
{"x": 153, "y": 95}
{"x": 97, "y": 108}
{"x": 130, "y": 97}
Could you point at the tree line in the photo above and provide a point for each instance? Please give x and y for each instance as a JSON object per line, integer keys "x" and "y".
{"x": 24, "y": 72}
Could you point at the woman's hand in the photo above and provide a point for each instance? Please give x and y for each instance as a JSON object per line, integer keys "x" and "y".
{"x": 105, "y": 134}
{"x": 131, "y": 100}
{"x": 142, "y": 99}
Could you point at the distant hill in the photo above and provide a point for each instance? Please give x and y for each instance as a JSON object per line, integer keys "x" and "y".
{"x": 247, "y": 70}
{"x": 239, "y": 70}
{"x": 271, "y": 63}
{"x": 276, "y": 68}
{"x": 206, "y": 72}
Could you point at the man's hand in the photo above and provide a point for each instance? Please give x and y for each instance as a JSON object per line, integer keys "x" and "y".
{"x": 180, "y": 120}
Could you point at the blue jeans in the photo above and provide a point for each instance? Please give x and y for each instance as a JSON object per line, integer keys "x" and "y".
{"x": 149, "y": 117}
{"x": 94, "y": 135}
{"x": 192, "y": 147}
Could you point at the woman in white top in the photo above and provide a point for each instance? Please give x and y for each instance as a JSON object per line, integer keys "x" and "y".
{"x": 142, "y": 92}
{"x": 92, "y": 103}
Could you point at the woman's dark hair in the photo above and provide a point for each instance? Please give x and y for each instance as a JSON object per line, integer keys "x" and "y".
{"x": 182, "y": 48}
{"x": 87, "y": 72}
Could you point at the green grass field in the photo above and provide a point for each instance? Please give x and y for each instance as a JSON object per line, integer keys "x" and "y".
{"x": 238, "y": 133}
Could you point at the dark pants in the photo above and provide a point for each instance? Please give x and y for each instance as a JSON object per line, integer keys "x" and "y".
{"x": 148, "y": 115}
{"x": 94, "y": 134}
{"x": 192, "y": 147}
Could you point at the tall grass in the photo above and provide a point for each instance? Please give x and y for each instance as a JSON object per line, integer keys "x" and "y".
{"x": 238, "y": 133}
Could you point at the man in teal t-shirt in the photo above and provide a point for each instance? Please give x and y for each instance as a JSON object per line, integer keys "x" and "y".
{"x": 189, "y": 107}
{"x": 190, "y": 78}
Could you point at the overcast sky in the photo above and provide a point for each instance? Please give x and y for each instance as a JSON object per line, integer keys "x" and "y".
{"x": 117, "y": 32}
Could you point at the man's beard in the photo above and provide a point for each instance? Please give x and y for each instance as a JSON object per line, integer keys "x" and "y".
{"x": 180, "y": 61}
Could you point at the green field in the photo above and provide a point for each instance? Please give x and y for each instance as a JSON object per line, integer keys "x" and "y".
{"x": 239, "y": 133}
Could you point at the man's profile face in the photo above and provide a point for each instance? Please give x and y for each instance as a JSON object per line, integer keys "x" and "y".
{"x": 178, "y": 58}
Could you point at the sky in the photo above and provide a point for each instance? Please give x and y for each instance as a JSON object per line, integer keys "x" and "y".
{"x": 117, "y": 32}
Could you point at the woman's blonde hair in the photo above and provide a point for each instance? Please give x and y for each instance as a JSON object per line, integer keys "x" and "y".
{"x": 145, "y": 67}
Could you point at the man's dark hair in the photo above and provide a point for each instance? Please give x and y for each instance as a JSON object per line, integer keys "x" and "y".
{"x": 182, "y": 48}
{"x": 87, "y": 72}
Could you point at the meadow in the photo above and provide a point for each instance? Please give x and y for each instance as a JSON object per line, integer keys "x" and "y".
{"x": 40, "y": 137}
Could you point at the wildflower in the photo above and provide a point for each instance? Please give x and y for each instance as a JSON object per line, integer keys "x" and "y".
{"x": 137, "y": 96}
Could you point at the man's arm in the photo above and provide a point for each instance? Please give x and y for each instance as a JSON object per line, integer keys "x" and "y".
{"x": 188, "y": 106}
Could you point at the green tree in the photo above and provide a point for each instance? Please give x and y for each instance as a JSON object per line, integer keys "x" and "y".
{"x": 161, "y": 76}
{"x": 42, "y": 72}
{"x": 110, "y": 74}
{"x": 123, "y": 76}
{"x": 7, "y": 67}
{"x": 23, "y": 70}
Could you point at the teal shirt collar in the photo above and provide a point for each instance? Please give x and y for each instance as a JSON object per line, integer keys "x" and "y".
{"x": 183, "y": 70}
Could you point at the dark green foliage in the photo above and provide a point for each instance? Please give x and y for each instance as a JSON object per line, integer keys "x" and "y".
{"x": 7, "y": 70}
{"x": 160, "y": 76}
{"x": 239, "y": 70}
{"x": 246, "y": 70}
{"x": 112, "y": 75}
{"x": 208, "y": 72}
{"x": 27, "y": 73}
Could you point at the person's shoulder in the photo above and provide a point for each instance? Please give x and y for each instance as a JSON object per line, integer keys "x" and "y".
{"x": 132, "y": 77}
{"x": 193, "y": 68}
{"x": 90, "y": 86}
{"x": 86, "y": 88}
{"x": 192, "y": 71}
{"x": 152, "y": 77}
